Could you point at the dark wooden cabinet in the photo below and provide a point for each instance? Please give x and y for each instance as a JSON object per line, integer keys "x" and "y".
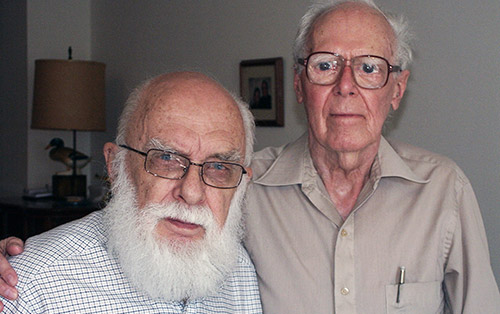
{"x": 26, "y": 218}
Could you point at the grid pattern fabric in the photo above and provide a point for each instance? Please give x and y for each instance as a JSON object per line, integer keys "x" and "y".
{"x": 68, "y": 270}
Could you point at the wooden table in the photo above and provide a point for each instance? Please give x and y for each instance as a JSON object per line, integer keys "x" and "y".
{"x": 25, "y": 218}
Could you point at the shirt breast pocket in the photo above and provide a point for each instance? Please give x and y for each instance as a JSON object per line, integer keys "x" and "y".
{"x": 422, "y": 297}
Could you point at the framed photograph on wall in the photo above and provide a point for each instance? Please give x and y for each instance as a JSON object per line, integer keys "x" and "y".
{"x": 261, "y": 85}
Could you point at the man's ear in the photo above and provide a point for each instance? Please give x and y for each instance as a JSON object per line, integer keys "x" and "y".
{"x": 297, "y": 86}
{"x": 399, "y": 89}
{"x": 249, "y": 172}
{"x": 110, "y": 150}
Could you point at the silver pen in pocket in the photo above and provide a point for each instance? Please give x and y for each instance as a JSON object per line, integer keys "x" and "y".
{"x": 400, "y": 281}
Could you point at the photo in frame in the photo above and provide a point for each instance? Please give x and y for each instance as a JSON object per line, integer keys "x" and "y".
{"x": 261, "y": 85}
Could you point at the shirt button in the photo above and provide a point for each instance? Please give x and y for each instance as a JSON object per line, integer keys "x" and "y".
{"x": 344, "y": 291}
{"x": 344, "y": 233}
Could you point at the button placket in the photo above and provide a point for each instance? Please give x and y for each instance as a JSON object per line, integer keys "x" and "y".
{"x": 344, "y": 268}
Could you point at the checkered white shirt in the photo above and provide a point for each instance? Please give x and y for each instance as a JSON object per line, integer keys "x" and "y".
{"x": 68, "y": 270}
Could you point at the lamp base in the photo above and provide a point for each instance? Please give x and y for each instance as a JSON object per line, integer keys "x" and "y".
{"x": 72, "y": 187}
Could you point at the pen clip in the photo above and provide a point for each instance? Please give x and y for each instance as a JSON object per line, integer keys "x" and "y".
{"x": 402, "y": 271}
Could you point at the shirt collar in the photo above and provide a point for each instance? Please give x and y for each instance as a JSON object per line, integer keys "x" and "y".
{"x": 294, "y": 163}
{"x": 392, "y": 165}
{"x": 288, "y": 167}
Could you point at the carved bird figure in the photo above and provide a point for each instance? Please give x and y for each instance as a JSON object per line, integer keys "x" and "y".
{"x": 65, "y": 155}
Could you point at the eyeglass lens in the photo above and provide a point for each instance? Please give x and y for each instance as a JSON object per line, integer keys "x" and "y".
{"x": 173, "y": 166}
{"x": 369, "y": 71}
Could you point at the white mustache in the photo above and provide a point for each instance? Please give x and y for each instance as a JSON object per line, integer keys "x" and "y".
{"x": 198, "y": 215}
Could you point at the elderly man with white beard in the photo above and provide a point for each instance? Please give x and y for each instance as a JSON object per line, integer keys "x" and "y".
{"x": 169, "y": 241}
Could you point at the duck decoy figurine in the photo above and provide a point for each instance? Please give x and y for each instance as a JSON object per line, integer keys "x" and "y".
{"x": 65, "y": 155}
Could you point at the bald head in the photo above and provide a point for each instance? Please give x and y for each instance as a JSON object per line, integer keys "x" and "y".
{"x": 196, "y": 98}
{"x": 189, "y": 97}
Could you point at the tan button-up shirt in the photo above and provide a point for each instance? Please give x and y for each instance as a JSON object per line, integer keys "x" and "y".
{"x": 417, "y": 211}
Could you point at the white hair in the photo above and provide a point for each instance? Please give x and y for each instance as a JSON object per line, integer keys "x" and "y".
{"x": 398, "y": 23}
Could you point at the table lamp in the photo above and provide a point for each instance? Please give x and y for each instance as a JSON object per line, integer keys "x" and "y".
{"x": 69, "y": 95}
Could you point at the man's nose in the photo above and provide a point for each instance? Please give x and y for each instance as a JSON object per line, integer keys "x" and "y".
{"x": 346, "y": 85}
{"x": 191, "y": 187}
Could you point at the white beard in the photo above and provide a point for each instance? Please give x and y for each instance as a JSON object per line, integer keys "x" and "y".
{"x": 169, "y": 269}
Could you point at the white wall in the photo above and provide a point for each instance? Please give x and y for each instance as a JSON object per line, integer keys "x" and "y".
{"x": 53, "y": 26}
{"x": 138, "y": 39}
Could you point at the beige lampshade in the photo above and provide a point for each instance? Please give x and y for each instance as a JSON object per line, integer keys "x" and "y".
{"x": 69, "y": 95}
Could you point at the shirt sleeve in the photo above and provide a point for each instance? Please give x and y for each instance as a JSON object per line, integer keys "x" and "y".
{"x": 469, "y": 283}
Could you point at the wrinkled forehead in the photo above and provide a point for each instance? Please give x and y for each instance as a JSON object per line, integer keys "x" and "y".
{"x": 196, "y": 114}
{"x": 355, "y": 22}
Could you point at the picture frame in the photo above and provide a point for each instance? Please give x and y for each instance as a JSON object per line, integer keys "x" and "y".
{"x": 261, "y": 86}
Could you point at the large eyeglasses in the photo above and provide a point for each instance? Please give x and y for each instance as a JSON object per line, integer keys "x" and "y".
{"x": 169, "y": 165}
{"x": 326, "y": 68}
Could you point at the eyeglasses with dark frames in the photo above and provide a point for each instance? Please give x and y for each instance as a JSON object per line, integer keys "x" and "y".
{"x": 169, "y": 165}
{"x": 326, "y": 68}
